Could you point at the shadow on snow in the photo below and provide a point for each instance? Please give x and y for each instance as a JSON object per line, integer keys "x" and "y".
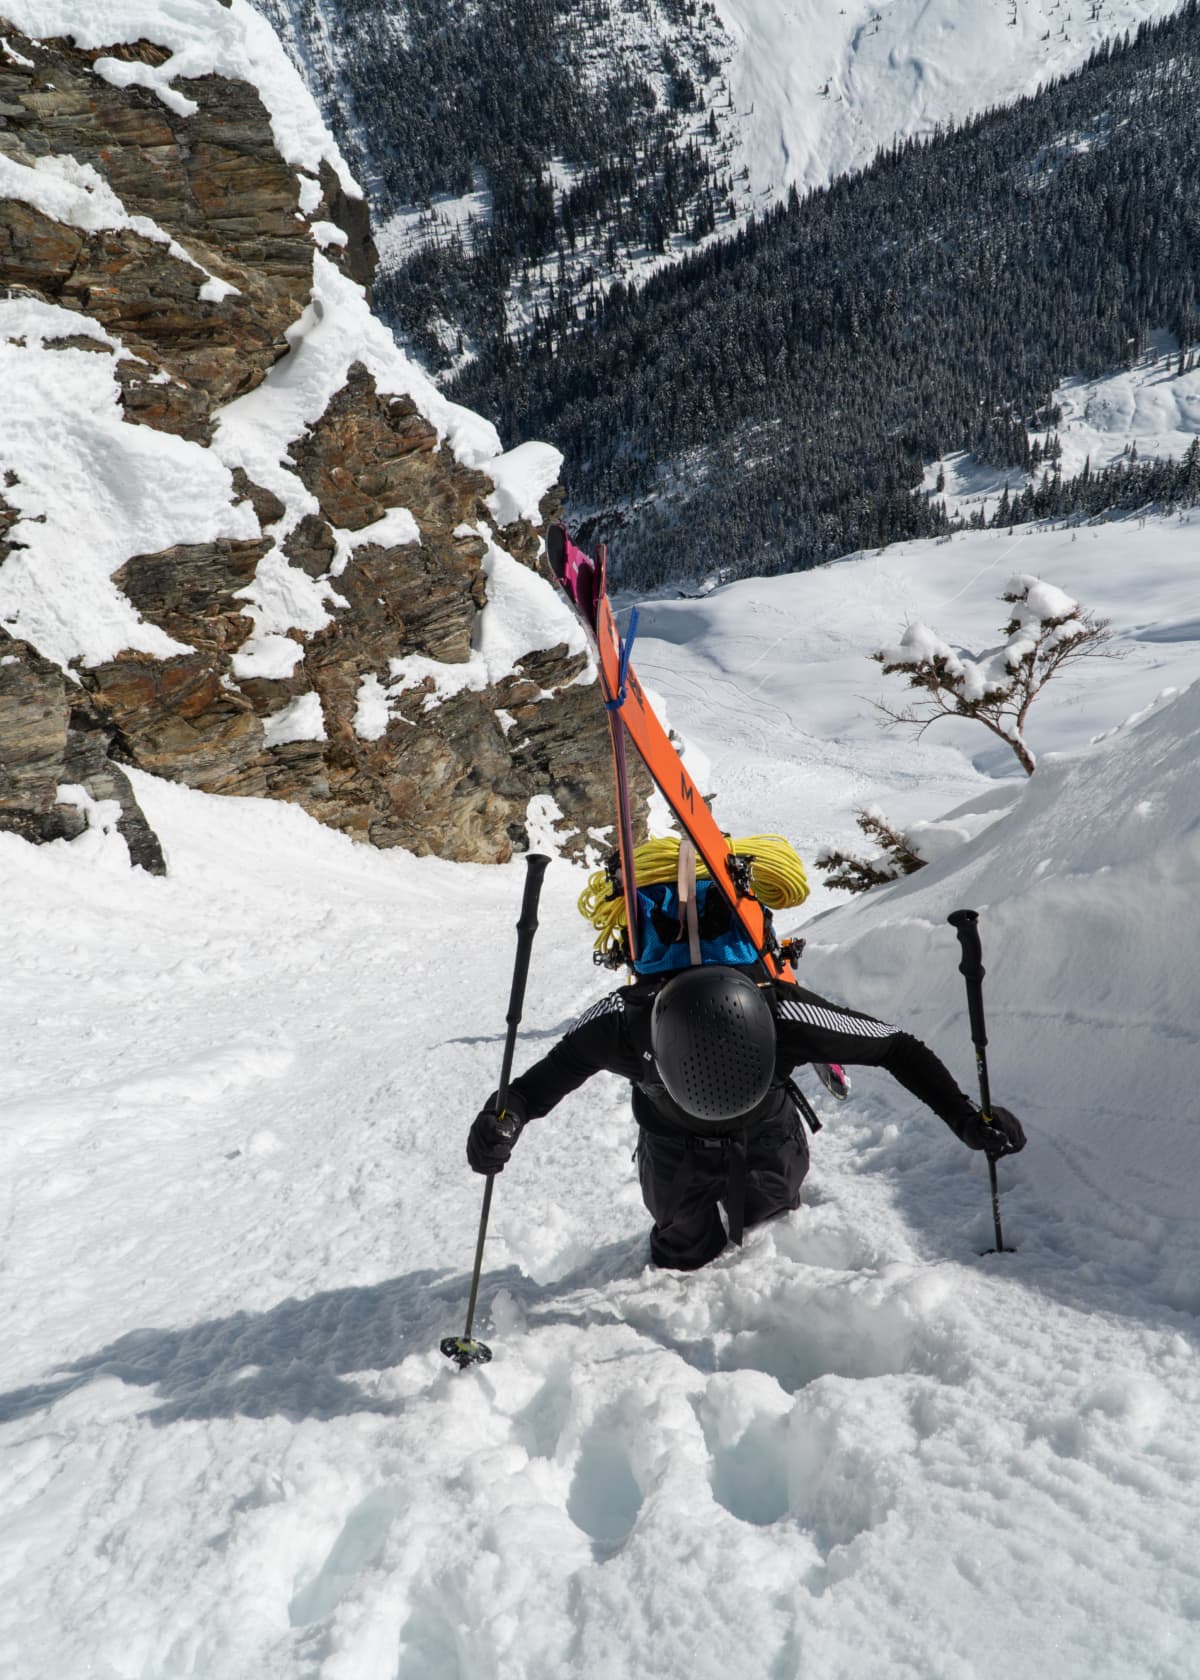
{"x": 299, "y": 1358}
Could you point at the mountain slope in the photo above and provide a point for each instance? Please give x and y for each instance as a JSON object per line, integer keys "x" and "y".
{"x": 237, "y": 1220}
{"x": 773, "y": 401}
{"x": 591, "y": 145}
{"x": 520, "y": 157}
{"x": 820, "y": 89}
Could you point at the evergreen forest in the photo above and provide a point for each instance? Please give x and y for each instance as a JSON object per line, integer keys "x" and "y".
{"x": 592, "y": 135}
{"x": 770, "y": 402}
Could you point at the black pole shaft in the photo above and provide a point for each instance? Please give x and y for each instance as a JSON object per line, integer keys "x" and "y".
{"x": 479, "y": 1242}
{"x": 535, "y": 868}
{"x": 966, "y": 924}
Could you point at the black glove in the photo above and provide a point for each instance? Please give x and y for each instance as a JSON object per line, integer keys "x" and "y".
{"x": 1004, "y": 1135}
{"x": 492, "y": 1135}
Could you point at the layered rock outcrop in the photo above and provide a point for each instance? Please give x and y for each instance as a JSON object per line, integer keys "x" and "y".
{"x": 187, "y": 253}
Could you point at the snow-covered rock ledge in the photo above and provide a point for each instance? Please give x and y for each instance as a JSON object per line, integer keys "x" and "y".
{"x": 228, "y": 504}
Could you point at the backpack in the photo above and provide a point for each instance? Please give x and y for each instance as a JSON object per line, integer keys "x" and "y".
{"x": 683, "y": 918}
{"x": 665, "y": 945}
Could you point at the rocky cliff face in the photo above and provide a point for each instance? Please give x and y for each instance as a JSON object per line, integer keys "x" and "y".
{"x": 185, "y": 245}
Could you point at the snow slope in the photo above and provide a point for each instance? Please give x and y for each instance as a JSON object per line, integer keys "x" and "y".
{"x": 237, "y": 1221}
{"x": 770, "y": 680}
{"x": 820, "y": 88}
{"x": 235, "y": 1218}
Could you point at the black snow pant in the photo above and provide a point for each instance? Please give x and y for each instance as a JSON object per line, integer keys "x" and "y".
{"x": 685, "y": 1180}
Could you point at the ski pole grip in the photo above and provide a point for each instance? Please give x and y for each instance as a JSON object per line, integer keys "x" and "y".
{"x": 966, "y": 924}
{"x": 536, "y": 865}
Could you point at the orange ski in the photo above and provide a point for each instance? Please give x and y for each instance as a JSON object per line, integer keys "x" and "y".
{"x": 583, "y": 581}
{"x": 625, "y": 697}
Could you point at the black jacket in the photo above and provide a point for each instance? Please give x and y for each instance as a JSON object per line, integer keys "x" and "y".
{"x": 614, "y": 1036}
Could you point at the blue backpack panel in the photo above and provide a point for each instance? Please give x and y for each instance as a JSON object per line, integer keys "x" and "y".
{"x": 663, "y": 940}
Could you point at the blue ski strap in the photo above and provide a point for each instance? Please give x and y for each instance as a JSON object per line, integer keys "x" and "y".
{"x": 623, "y": 667}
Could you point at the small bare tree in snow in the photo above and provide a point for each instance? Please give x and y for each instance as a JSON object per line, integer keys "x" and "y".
{"x": 1046, "y": 631}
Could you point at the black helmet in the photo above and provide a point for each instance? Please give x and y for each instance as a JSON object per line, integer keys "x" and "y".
{"x": 713, "y": 1037}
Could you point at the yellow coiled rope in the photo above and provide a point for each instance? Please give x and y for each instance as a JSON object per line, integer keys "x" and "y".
{"x": 776, "y": 875}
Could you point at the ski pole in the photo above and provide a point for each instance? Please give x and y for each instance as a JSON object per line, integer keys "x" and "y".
{"x": 966, "y": 924}
{"x": 464, "y": 1350}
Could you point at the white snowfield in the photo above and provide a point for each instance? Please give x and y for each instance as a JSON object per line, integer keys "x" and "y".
{"x": 237, "y": 1221}
{"x": 772, "y": 672}
{"x": 819, "y": 88}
